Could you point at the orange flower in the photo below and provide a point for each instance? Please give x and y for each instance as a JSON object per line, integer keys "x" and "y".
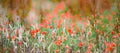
{"x": 88, "y": 51}
{"x": 67, "y": 47}
{"x": 37, "y": 30}
{"x": 44, "y": 33}
{"x": 49, "y": 27}
{"x": 73, "y": 25}
{"x": 58, "y": 7}
{"x": 113, "y": 13}
{"x": 4, "y": 49}
{"x": 13, "y": 38}
{"x": 69, "y": 31}
{"x": 108, "y": 49}
{"x": 62, "y": 32}
{"x": 58, "y": 42}
{"x": 80, "y": 44}
{"x": 68, "y": 51}
{"x": 113, "y": 44}
{"x": 44, "y": 21}
{"x": 59, "y": 23}
{"x": 57, "y": 51}
{"x": 112, "y": 32}
{"x": 109, "y": 17}
{"x": 33, "y": 36}
{"x": 109, "y": 46}
{"x": 101, "y": 16}
{"x": 77, "y": 29}
{"x": 118, "y": 34}
{"x": 58, "y": 26}
{"x": 89, "y": 32}
{"x": 33, "y": 32}
{"x": 90, "y": 46}
{"x": 20, "y": 43}
{"x": 68, "y": 14}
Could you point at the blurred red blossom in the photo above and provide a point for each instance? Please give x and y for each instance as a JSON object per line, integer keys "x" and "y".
{"x": 58, "y": 42}
{"x": 80, "y": 44}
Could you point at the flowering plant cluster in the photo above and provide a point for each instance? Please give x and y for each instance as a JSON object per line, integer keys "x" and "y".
{"x": 60, "y": 31}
